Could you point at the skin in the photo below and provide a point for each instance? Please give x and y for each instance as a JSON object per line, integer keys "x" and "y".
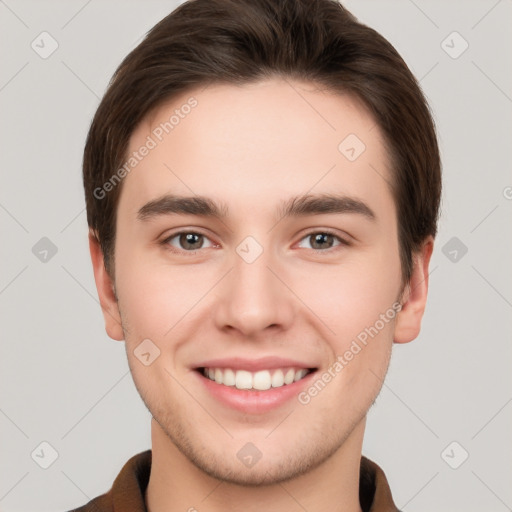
{"x": 252, "y": 147}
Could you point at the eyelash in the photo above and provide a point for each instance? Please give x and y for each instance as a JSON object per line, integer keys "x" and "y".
{"x": 166, "y": 244}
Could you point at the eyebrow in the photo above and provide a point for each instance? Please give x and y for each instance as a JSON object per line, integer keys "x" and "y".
{"x": 316, "y": 204}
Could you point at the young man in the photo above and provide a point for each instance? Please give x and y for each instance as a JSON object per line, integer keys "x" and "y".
{"x": 262, "y": 182}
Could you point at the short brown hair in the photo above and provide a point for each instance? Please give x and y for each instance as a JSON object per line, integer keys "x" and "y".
{"x": 243, "y": 41}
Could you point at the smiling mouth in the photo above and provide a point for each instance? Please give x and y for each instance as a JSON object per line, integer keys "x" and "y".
{"x": 255, "y": 381}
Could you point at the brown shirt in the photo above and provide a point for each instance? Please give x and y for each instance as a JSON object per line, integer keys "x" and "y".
{"x": 127, "y": 492}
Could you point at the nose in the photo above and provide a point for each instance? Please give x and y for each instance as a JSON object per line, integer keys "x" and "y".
{"x": 253, "y": 299}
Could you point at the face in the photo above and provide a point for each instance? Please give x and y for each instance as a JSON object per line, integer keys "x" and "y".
{"x": 259, "y": 260}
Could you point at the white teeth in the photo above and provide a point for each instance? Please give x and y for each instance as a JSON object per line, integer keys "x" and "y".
{"x": 277, "y": 379}
{"x": 243, "y": 379}
{"x": 300, "y": 374}
{"x": 229, "y": 377}
{"x": 260, "y": 381}
{"x": 288, "y": 378}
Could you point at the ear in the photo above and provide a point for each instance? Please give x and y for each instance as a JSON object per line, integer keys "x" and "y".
{"x": 408, "y": 322}
{"x": 106, "y": 293}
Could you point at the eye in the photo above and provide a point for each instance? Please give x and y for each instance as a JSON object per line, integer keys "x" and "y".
{"x": 188, "y": 241}
{"x": 322, "y": 240}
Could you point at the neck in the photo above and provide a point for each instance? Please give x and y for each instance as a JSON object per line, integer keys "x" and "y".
{"x": 176, "y": 484}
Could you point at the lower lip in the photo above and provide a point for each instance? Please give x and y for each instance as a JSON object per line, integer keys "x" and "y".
{"x": 254, "y": 402}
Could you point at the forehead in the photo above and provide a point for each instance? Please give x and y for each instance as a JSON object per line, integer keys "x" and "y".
{"x": 263, "y": 141}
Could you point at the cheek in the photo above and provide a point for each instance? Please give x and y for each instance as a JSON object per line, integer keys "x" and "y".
{"x": 351, "y": 296}
{"x": 155, "y": 297}
{"x": 357, "y": 303}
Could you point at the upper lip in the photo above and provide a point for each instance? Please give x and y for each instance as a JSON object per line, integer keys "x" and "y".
{"x": 253, "y": 365}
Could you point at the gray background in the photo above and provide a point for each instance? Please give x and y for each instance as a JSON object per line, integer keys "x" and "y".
{"x": 64, "y": 382}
